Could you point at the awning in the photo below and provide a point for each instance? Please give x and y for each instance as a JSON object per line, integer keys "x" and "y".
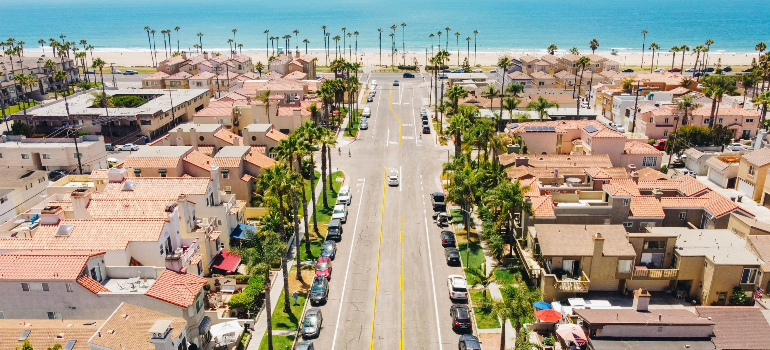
{"x": 240, "y": 231}
{"x": 225, "y": 171}
{"x": 162, "y": 171}
{"x": 226, "y": 332}
{"x": 205, "y": 325}
{"x": 137, "y": 171}
{"x": 226, "y": 261}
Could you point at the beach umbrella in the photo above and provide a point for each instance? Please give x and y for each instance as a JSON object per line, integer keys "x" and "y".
{"x": 548, "y": 315}
{"x": 572, "y": 332}
{"x": 541, "y": 305}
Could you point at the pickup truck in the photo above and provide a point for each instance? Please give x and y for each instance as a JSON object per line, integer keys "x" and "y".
{"x": 437, "y": 200}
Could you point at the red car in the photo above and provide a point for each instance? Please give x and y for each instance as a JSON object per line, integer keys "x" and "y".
{"x": 660, "y": 144}
{"x": 674, "y": 70}
{"x": 323, "y": 267}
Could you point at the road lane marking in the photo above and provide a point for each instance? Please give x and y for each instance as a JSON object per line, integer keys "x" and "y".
{"x": 347, "y": 269}
{"x": 401, "y": 282}
{"x": 379, "y": 245}
{"x": 401, "y": 180}
{"x": 394, "y": 114}
{"x": 432, "y": 278}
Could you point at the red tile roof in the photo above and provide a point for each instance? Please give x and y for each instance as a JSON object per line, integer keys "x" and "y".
{"x": 607, "y": 173}
{"x": 156, "y": 188}
{"x": 128, "y": 209}
{"x": 205, "y": 162}
{"x": 633, "y": 147}
{"x": 246, "y": 178}
{"x": 176, "y": 288}
{"x": 686, "y": 185}
{"x": 650, "y": 174}
{"x": 229, "y": 137}
{"x": 151, "y": 162}
{"x": 259, "y": 159}
{"x": 44, "y": 265}
{"x": 91, "y": 284}
{"x": 713, "y": 202}
{"x": 543, "y": 206}
{"x": 97, "y": 235}
{"x": 621, "y": 188}
{"x": 646, "y": 207}
{"x": 276, "y": 135}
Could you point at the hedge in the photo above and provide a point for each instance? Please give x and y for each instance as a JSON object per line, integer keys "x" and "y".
{"x": 245, "y": 300}
{"x": 407, "y": 67}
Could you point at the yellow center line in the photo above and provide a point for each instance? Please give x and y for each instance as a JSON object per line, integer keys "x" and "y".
{"x": 394, "y": 114}
{"x": 401, "y": 282}
{"x": 379, "y": 245}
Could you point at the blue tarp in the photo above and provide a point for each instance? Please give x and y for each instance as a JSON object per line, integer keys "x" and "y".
{"x": 240, "y": 231}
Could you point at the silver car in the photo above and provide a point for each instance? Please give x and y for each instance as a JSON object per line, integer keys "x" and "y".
{"x": 128, "y": 147}
{"x": 393, "y": 180}
{"x": 311, "y": 324}
{"x": 340, "y": 212}
{"x": 344, "y": 196}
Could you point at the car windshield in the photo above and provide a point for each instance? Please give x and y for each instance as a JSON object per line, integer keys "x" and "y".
{"x": 394, "y": 177}
{"x": 333, "y": 230}
{"x": 439, "y": 198}
{"x": 338, "y": 211}
{"x": 322, "y": 267}
{"x": 310, "y": 321}
{"x": 318, "y": 287}
{"x": 462, "y": 313}
{"x": 459, "y": 289}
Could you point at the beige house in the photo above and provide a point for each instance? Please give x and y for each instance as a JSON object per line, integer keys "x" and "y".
{"x": 531, "y": 64}
{"x": 203, "y": 80}
{"x": 752, "y": 173}
{"x": 20, "y": 190}
{"x": 19, "y": 152}
{"x": 304, "y": 64}
{"x": 640, "y": 155}
{"x": 129, "y": 326}
{"x": 178, "y": 81}
{"x": 155, "y": 81}
{"x": 565, "y": 79}
{"x": 520, "y": 78}
{"x": 541, "y": 80}
{"x": 723, "y": 170}
{"x": 567, "y": 63}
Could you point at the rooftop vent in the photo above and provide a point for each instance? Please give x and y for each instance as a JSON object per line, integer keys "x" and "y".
{"x": 129, "y": 186}
{"x": 24, "y": 335}
{"x": 70, "y": 344}
{"x": 64, "y": 230}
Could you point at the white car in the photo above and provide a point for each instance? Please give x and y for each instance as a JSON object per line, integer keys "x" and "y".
{"x": 340, "y": 212}
{"x": 659, "y": 70}
{"x": 393, "y": 180}
{"x": 128, "y": 147}
{"x": 478, "y": 70}
{"x": 736, "y": 147}
{"x": 344, "y": 196}
{"x": 458, "y": 287}
{"x": 373, "y": 83}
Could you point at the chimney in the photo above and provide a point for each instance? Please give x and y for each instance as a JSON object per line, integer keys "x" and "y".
{"x": 296, "y": 54}
{"x": 160, "y": 332}
{"x": 642, "y": 300}
{"x": 635, "y": 176}
{"x": 194, "y": 139}
{"x": 51, "y": 215}
{"x": 179, "y": 137}
{"x": 657, "y": 193}
{"x": 631, "y": 168}
{"x": 297, "y": 112}
{"x": 205, "y": 55}
{"x": 184, "y": 55}
{"x": 215, "y": 178}
{"x": 80, "y": 199}
{"x": 522, "y": 161}
{"x": 598, "y": 243}
{"x": 116, "y": 175}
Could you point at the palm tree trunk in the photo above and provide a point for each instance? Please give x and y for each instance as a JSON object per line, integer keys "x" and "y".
{"x": 304, "y": 217}
{"x": 713, "y": 110}
{"x": 296, "y": 231}
{"x": 268, "y": 310}
{"x": 673, "y": 143}
{"x": 502, "y": 335}
{"x": 323, "y": 184}
{"x": 284, "y": 262}
{"x": 458, "y": 141}
{"x": 672, "y": 60}
{"x": 331, "y": 183}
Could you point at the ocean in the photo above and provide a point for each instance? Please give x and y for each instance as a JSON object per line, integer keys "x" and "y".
{"x": 508, "y": 25}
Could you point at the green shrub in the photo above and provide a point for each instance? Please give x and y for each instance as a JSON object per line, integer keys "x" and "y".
{"x": 241, "y": 279}
{"x": 739, "y": 297}
{"x": 651, "y": 142}
{"x": 485, "y": 304}
{"x": 549, "y": 341}
{"x": 128, "y": 101}
{"x": 407, "y": 67}
{"x": 245, "y": 300}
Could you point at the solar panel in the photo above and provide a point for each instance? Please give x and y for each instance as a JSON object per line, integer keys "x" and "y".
{"x": 540, "y": 129}
{"x": 590, "y": 128}
{"x": 70, "y": 344}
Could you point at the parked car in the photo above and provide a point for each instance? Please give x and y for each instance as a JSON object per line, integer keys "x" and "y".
{"x": 323, "y": 267}
{"x": 493, "y": 71}
{"x": 344, "y": 196}
{"x": 393, "y": 180}
{"x": 305, "y": 345}
{"x": 747, "y": 70}
{"x": 736, "y": 147}
{"x": 319, "y": 290}
{"x": 469, "y": 342}
{"x": 128, "y": 147}
{"x": 674, "y": 70}
{"x": 363, "y": 125}
{"x": 311, "y": 324}
{"x": 457, "y": 71}
{"x": 109, "y": 147}
{"x": 458, "y": 287}
{"x": 691, "y": 69}
{"x": 408, "y": 75}
{"x": 130, "y": 72}
{"x": 55, "y": 175}
{"x": 369, "y": 98}
{"x": 452, "y": 256}
{"x": 478, "y": 70}
{"x": 329, "y": 249}
{"x": 425, "y": 122}
{"x": 447, "y": 238}
{"x": 660, "y": 144}
{"x": 628, "y": 70}
{"x": 461, "y": 317}
{"x": 395, "y": 82}
{"x": 659, "y": 70}
{"x": 446, "y": 71}
{"x": 437, "y": 201}
{"x": 709, "y": 69}
{"x": 727, "y": 69}
{"x": 618, "y": 127}
{"x": 334, "y": 231}
{"x": 367, "y": 112}
{"x": 89, "y": 72}
{"x": 426, "y": 129}
{"x": 341, "y": 75}
{"x": 340, "y": 212}
{"x": 117, "y": 71}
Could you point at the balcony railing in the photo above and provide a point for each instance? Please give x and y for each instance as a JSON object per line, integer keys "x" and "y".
{"x": 573, "y": 285}
{"x": 181, "y": 256}
{"x": 654, "y": 274}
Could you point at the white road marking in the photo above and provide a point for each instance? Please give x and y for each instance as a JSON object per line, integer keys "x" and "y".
{"x": 400, "y": 179}
{"x": 387, "y": 140}
{"x": 432, "y": 278}
{"x": 347, "y": 269}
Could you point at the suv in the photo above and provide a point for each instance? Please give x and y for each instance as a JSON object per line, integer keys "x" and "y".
{"x": 437, "y": 199}
{"x": 340, "y": 212}
{"x": 660, "y": 144}
{"x": 344, "y": 196}
{"x": 447, "y": 239}
{"x": 469, "y": 342}
{"x": 335, "y": 230}
{"x": 458, "y": 287}
{"x": 461, "y": 317}
{"x": 319, "y": 291}
{"x": 452, "y": 256}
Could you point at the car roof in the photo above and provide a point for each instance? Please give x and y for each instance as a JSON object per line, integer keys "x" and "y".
{"x": 334, "y": 222}
{"x": 438, "y": 194}
{"x": 452, "y": 251}
{"x": 341, "y": 206}
{"x": 313, "y": 312}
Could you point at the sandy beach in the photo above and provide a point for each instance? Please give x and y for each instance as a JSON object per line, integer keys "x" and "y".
{"x": 484, "y": 59}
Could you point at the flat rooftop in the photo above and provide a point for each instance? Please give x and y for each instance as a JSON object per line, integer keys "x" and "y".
{"x": 158, "y": 101}
{"x": 232, "y": 151}
{"x": 258, "y": 127}
{"x": 198, "y": 127}
{"x": 719, "y": 246}
{"x": 161, "y": 152}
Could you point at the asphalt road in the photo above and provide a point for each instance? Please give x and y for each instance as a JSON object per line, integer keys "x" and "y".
{"x": 388, "y": 286}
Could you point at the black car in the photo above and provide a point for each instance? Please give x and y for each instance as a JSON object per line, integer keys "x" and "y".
{"x": 461, "y": 317}
{"x": 469, "y": 342}
{"x": 628, "y": 70}
{"x": 709, "y": 69}
{"x": 727, "y": 69}
{"x": 55, "y": 175}
{"x": 335, "y": 230}
{"x": 424, "y": 117}
{"x": 437, "y": 200}
{"x": 697, "y": 74}
{"x": 425, "y": 122}
{"x": 319, "y": 291}
{"x": 369, "y": 98}
{"x": 426, "y": 130}
{"x": 329, "y": 249}
{"x": 408, "y": 75}
{"x": 447, "y": 238}
{"x": 748, "y": 70}
{"x": 452, "y": 256}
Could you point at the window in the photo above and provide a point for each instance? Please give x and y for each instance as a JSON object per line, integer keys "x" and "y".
{"x": 683, "y": 215}
{"x": 45, "y": 287}
{"x": 541, "y": 83}
{"x": 665, "y": 120}
{"x": 24, "y": 156}
{"x": 751, "y": 170}
{"x": 650, "y": 119}
{"x": 660, "y": 329}
{"x": 96, "y": 273}
{"x": 749, "y": 276}
{"x": 96, "y": 122}
{"x": 655, "y": 245}
{"x": 225, "y": 175}
{"x": 77, "y": 155}
{"x": 706, "y": 120}
{"x": 78, "y": 122}
{"x": 25, "y": 287}
{"x": 1, "y": 155}
{"x": 54, "y": 315}
{"x": 626, "y": 202}
{"x": 665, "y": 133}
{"x": 651, "y": 161}
{"x": 628, "y": 224}
{"x": 749, "y": 120}
{"x": 146, "y": 122}
{"x": 720, "y": 120}
{"x": 146, "y": 83}
{"x": 46, "y": 156}
{"x": 69, "y": 287}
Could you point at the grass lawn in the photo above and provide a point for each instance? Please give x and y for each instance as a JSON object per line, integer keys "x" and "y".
{"x": 484, "y": 319}
{"x": 138, "y": 69}
{"x": 280, "y": 342}
{"x": 20, "y": 106}
{"x": 281, "y": 320}
{"x": 352, "y": 129}
{"x": 323, "y": 216}
{"x": 476, "y": 254}
{"x": 504, "y": 277}
{"x": 308, "y": 193}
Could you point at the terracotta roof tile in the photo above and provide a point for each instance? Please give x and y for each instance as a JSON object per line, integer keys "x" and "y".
{"x": 128, "y": 209}
{"x": 98, "y": 174}
{"x": 650, "y": 174}
{"x": 607, "y": 173}
{"x": 737, "y": 327}
{"x": 156, "y": 188}
{"x": 543, "y": 207}
{"x": 296, "y": 75}
{"x": 156, "y": 76}
{"x": 91, "y": 284}
{"x": 533, "y": 184}
{"x": 276, "y": 135}
{"x": 760, "y": 157}
{"x": 246, "y": 177}
{"x": 646, "y": 207}
{"x": 713, "y": 202}
{"x": 633, "y": 147}
{"x": 176, "y": 288}
{"x": 203, "y": 76}
{"x": 259, "y": 159}
{"x": 207, "y": 150}
{"x": 180, "y": 76}
{"x": 228, "y": 136}
{"x": 621, "y": 188}
{"x": 97, "y": 235}
{"x": 686, "y": 185}
{"x": 44, "y": 265}
{"x": 607, "y": 134}
{"x": 151, "y": 162}
{"x": 578, "y": 240}
{"x": 45, "y": 333}
{"x": 239, "y": 205}
{"x": 717, "y": 164}
{"x": 129, "y": 328}
{"x": 205, "y": 162}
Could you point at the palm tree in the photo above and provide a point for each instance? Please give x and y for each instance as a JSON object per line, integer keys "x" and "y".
{"x": 200, "y": 39}
{"x": 503, "y": 64}
{"x": 230, "y": 42}
{"x": 311, "y": 133}
{"x": 581, "y": 64}
{"x": 458, "y": 125}
{"x": 508, "y": 199}
{"x": 403, "y": 42}
{"x": 463, "y": 192}
{"x": 748, "y": 80}
{"x": 674, "y": 49}
{"x": 165, "y": 47}
{"x": 594, "y": 44}
{"x": 344, "y": 45}
{"x": 509, "y": 104}
{"x": 257, "y": 253}
{"x": 761, "y": 47}
{"x": 653, "y": 47}
{"x": 697, "y": 51}
{"x": 574, "y": 51}
{"x": 275, "y": 181}
{"x": 521, "y": 298}
{"x": 504, "y": 312}
{"x": 148, "y": 41}
{"x": 447, "y": 37}
{"x": 336, "y": 39}
{"x": 267, "y": 45}
{"x": 457, "y": 37}
{"x": 708, "y": 44}
{"x": 454, "y": 94}
{"x": 379, "y": 31}
{"x": 644, "y": 38}
{"x": 541, "y": 106}
{"x": 154, "y": 49}
{"x": 350, "y": 53}
{"x": 481, "y": 277}
{"x": 50, "y": 69}
{"x": 439, "y": 40}
{"x": 468, "y": 55}
{"x": 240, "y": 48}
{"x": 327, "y": 140}
{"x": 475, "y": 32}
{"x": 392, "y": 48}
{"x": 41, "y": 42}
{"x": 762, "y": 99}
{"x": 61, "y": 75}
{"x": 685, "y": 104}
{"x": 684, "y": 49}
{"x": 264, "y": 97}
{"x": 177, "y": 38}
{"x": 290, "y": 150}
{"x": 552, "y": 49}
{"x": 25, "y": 81}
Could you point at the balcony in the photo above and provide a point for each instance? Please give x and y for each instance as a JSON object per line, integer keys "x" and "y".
{"x": 643, "y": 273}
{"x": 573, "y": 285}
{"x": 181, "y": 257}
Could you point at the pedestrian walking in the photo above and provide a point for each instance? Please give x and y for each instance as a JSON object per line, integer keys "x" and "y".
{"x": 295, "y": 295}
{"x": 348, "y": 152}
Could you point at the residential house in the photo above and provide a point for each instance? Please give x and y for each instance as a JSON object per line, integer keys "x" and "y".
{"x": 730, "y": 331}
{"x": 11, "y": 92}
{"x": 641, "y": 155}
{"x": 280, "y": 64}
{"x": 206, "y": 138}
{"x": 178, "y": 81}
{"x": 172, "y": 64}
{"x": 752, "y": 173}
{"x": 567, "y": 63}
{"x": 743, "y": 122}
{"x": 304, "y": 64}
{"x": 516, "y": 66}
{"x": 42, "y": 334}
{"x": 745, "y": 226}
{"x": 531, "y": 64}
{"x": 542, "y": 80}
{"x": 520, "y": 78}
{"x": 155, "y": 80}
{"x": 158, "y": 161}
{"x": 696, "y": 160}
{"x": 565, "y": 79}
{"x": 553, "y": 63}
{"x": 20, "y": 190}
{"x": 203, "y": 80}
{"x": 723, "y": 170}
{"x": 87, "y": 152}
{"x": 135, "y": 327}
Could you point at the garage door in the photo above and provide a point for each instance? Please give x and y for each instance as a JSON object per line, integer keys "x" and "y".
{"x": 746, "y": 188}
{"x": 717, "y": 178}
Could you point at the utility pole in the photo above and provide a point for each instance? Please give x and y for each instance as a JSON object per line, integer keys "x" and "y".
{"x": 112, "y": 66}
{"x": 216, "y": 70}
{"x": 636, "y": 102}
